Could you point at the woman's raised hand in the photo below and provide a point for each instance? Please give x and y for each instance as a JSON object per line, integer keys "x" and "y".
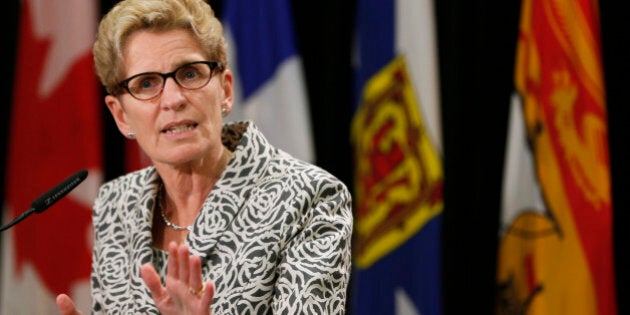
{"x": 184, "y": 291}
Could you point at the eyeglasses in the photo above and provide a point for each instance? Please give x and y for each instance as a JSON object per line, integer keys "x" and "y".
{"x": 191, "y": 76}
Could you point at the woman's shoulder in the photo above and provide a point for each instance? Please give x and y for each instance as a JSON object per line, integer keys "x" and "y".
{"x": 290, "y": 169}
{"x": 257, "y": 156}
{"x": 125, "y": 182}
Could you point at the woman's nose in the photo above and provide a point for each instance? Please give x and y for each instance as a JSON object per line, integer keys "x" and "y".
{"x": 172, "y": 96}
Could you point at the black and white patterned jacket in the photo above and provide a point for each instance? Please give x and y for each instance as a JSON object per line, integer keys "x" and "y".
{"x": 274, "y": 235}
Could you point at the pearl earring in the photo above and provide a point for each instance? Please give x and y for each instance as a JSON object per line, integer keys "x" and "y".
{"x": 223, "y": 111}
{"x": 131, "y": 135}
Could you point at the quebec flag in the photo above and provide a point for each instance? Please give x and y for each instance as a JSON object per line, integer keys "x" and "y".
{"x": 398, "y": 173}
{"x": 268, "y": 78}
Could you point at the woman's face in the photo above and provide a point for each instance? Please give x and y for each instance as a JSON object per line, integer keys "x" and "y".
{"x": 178, "y": 126}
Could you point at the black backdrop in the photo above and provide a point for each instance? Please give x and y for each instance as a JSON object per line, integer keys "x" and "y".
{"x": 476, "y": 49}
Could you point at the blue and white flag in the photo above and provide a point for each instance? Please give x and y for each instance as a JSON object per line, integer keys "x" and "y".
{"x": 269, "y": 83}
{"x": 398, "y": 166}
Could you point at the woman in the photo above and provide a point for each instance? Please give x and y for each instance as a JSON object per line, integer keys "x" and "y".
{"x": 222, "y": 222}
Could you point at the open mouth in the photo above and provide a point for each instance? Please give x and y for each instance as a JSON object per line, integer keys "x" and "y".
{"x": 180, "y": 128}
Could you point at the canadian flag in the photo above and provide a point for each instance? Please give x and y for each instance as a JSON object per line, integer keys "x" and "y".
{"x": 135, "y": 158}
{"x": 55, "y": 131}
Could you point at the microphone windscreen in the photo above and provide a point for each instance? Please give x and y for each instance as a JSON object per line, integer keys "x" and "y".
{"x": 50, "y": 197}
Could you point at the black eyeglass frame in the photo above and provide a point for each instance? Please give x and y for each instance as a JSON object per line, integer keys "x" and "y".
{"x": 212, "y": 64}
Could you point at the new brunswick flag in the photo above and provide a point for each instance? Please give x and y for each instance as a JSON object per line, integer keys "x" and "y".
{"x": 556, "y": 252}
{"x": 398, "y": 167}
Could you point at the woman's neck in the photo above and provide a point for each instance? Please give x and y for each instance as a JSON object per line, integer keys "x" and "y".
{"x": 188, "y": 186}
{"x": 181, "y": 196}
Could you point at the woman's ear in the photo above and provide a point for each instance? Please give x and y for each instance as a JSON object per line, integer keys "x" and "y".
{"x": 228, "y": 91}
{"x": 118, "y": 112}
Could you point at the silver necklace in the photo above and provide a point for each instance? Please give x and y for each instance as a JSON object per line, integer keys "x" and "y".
{"x": 166, "y": 221}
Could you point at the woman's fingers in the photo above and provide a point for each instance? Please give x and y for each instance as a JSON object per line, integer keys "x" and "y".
{"x": 183, "y": 257}
{"x": 184, "y": 290}
{"x": 173, "y": 264}
{"x": 209, "y": 291}
{"x": 185, "y": 268}
{"x": 194, "y": 277}
{"x": 66, "y": 306}
{"x": 152, "y": 280}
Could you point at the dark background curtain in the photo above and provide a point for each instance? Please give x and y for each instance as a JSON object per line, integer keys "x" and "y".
{"x": 477, "y": 41}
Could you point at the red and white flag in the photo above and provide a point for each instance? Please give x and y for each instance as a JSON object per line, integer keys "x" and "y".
{"x": 55, "y": 131}
{"x": 135, "y": 158}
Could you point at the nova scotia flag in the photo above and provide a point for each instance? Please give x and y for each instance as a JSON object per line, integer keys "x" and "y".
{"x": 398, "y": 166}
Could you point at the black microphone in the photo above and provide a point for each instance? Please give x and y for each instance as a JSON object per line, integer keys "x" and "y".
{"x": 50, "y": 197}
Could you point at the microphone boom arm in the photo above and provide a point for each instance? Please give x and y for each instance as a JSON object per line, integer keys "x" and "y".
{"x": 46, "y": 200}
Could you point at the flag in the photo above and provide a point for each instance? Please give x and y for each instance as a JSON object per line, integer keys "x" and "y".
{"x": 54, "y": 132}
{"x": 398, "y": 181}
{"x": 135, "y": 157}
{"x": 556, "y": 251}
{"x": 269, "y": 83}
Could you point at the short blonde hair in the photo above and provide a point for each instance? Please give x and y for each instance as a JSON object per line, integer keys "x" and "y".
{"x": 129, "y": 16}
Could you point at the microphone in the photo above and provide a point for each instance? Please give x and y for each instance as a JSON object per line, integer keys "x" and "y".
{"x": 46, "y": 200}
